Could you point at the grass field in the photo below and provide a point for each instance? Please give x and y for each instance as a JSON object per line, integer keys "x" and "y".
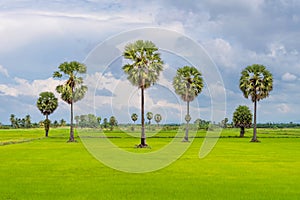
{"x": 34, "y": 167}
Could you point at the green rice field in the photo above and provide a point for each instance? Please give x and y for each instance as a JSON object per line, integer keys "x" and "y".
{"x": 35, "y": 167}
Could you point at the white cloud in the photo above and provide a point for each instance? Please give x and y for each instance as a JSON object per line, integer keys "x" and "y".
{"x": 4, "y": 71}
{"x": 27, "y": 88}
{"x": 283, "y": 108}
{"x": 288, "y": 77}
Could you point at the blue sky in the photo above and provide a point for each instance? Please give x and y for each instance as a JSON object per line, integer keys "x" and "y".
{"x": 36, "y": 36}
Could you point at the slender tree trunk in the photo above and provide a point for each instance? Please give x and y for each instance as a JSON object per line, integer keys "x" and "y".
{"x": 186, "y": 137}
{"x": 254, "y": 139}
{"x": 143, "y": 135}
{"x": 71, "y": 126}
{"x": 46, "y": 129}
{"x": 242, "y": 132}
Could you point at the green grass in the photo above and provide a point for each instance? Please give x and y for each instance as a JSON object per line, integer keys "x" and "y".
{"x": 51, "y": 168}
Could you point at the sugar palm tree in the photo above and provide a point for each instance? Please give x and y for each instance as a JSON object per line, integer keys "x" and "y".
{"x": 157, "y": 118}
{"x": 149, "y": 116}
{"x": 73, "y": 89}
{"x": 143, "y": 71}
{"x": 134, "y": 117}
{"x": 47, "y": 104}
{"x": 257, "y": 82}
{"x": 188, "y": 84}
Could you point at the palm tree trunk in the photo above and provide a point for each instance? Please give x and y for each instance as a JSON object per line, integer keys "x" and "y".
{"x": 47, "y": 130}
{"x": 143, "y": 135}
{"x": 71, "y": 126}
{"x": 186, "y": 137}
{"x": 254, "y": 139}
{"x": 242, "y": 132}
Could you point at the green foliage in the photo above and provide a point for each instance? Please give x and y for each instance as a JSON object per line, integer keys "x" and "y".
{"x": 73, "y": 89}
{"x": 112, "y": 122}
{"x": 88, "y": 121}
{"x": 47, "y": 103}
{"x": 242, "y": 117}
{"x": 149, "y": 116}
{"x": 146, "y": 64}
{"x": 134, "y": 117}
{"x": 157, "y": 118}
{"x": 188, "y": 83}
{"x": 202, "y": 124}
{"x": 256, "y": 81}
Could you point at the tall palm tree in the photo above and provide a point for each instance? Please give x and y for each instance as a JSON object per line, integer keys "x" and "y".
{"x": 257, "y": 82}
{"x": 134, "y": 117}
{"x": 47, "y": 104}
{"x": 143, "y": 71}
{"x": 73, "y": 89}
{"x": 149, "y": 116}
{"x": 188, "y": 84}
{"x": 157, "y": 118}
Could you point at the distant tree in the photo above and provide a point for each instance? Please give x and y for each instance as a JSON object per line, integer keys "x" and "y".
{"x": 188, "y": 84}
{"x": 62, "y": 122}
{"x": 134, "y": 117}
{"x": 224, "y": 122}
{"x": 157, "y": 118}
{"x": 242, "y": 118}
{"x": 257, "y": 82}
{"x": 55, "y": 123}
{"x": 47, "y": 104}
{"x": 27, "y": 121}
{"x": 112, "y": 122}
{"x": 77, "y": 118}
{"x": 105, "y": 123}
{"x": 13, "y": 121}
{"x": 99, "y": 120}
{"x": 143, "y": 71}
{"x": 73, "y": 89}
{"x": 149, "y": 116}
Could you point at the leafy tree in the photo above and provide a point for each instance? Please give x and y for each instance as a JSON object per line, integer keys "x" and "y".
{"x": 27, "y": 121}
{"x": 143, "y": 71}
{"x": 188, "y": 84}
{"x": 62, "y": 122}
{"x": 257, "y": 82}
{"x": 242, "y": 118}
{"x": 13, "y": 121}
{"x": 112, "y": 122}
{"x": 149, "y": 116}
{"x": 105, "y": 123}
{"x": 47, "y": 104}
{"x": 157, "y": 118}
{"x": 99, "y": 120}
{"x": 134, "y": 117}
{"x": 224, "y": 122}
{"x": 73, "y": 89}
{"x": 55, "y": 123}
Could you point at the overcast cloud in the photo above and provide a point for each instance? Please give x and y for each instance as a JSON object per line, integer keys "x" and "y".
{"x": 36, "y": 36}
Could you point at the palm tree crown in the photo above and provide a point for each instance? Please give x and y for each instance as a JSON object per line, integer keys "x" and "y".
{"x": 146, "y": 64}
{"x": 188, "y": 83}
{"x": 72, "y": 90}
{"x": 256, "y": 81}
{"x": 47, "y": 103}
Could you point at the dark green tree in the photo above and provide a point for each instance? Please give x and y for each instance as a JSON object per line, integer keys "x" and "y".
{"x": 242, "y": 118}
{"x": 188, "y": 84}
{"x": 47, "y": 104}
{"x": 157, "y": 118}
{"x": 112, "y": 122}
{"x": 73, "y": 89}
{"x": 134, "y": 117}
{"x": 149, "y": 116}
{"x": 257, "y": 82}
{"x": 143, "y": 71}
